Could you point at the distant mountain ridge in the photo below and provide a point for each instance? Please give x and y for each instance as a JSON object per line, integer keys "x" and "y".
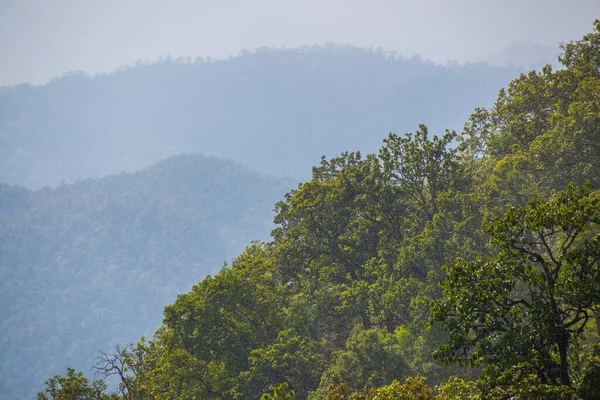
{"x": 275, "y": 110}
{"x": 89, "y": 265}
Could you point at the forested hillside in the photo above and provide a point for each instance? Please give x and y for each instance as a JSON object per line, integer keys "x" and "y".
{"x": 444, "y": 266}
{"x": 276, "y": 110}
{"x": 89, "y": 265}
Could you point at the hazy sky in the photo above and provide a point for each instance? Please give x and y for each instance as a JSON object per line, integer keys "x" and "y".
{"x": 40, "y": 39}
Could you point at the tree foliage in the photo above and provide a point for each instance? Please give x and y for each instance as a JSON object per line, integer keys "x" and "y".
{"x": 74, "y": 386}
{"x": 529, "y": 302}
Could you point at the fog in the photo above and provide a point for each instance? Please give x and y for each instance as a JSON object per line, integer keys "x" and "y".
{"x": 42, "y": 39}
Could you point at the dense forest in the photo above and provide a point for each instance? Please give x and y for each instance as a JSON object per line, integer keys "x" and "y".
{"x": 275, "y": 110}
{"x": 449, "y": 266}
{"x": 87, "y": 265}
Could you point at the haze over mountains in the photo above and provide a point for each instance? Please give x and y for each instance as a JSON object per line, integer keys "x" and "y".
{"x": 97, "y": 37}
{"x": 526, "y": 55}
{"x": 274, "y": 110}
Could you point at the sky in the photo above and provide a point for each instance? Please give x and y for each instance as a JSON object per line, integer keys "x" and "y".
{"x": 41, "y": 39}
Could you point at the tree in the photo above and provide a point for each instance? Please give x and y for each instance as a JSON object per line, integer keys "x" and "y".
{"x": 421, "y": 168}
{"x": 280, "y": 393}
{"x": 211, "y": 331}
{"x": 542, "y": 133}
{"x": 589, "y": 387}
{"x": 372, "y": 357}
{"x": 171, "y": 372}
{"x": 74, "y": 386}
{"x": 126, "y": 364}
{"x": 527, "y": 304}
{"x": 329, "y": 227}
{"x": 414, "y": 388}
{"x": 291, "y": 358}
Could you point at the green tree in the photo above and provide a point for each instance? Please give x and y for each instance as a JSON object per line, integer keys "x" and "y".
{"x": 171, "y": 372}
{"x": 211, "y": 331}
{"x": 74, "y": 386}
{"x": 528, "y": 303}
{"x": 414, "y": 388}
{"x": 290, "y": 358}
{"x": 589, "y": 388}
{"x": 421, "y": 168}
{"x": 280, "y": 393}
{"x": 372, "y": 357}
{"x": 329, "y": 226}
{"x": 127, "y": 364}
{"x": 542, "y": 132}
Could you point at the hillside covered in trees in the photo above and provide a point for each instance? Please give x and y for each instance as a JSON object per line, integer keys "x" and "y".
{"x": 88, "y": 265}
{"x": 275, "y": 110}
{"x": 449, "y": 266}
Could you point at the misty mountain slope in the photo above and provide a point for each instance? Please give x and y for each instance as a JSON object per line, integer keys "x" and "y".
{"x": 277, "y": 111}
{"x": 89, "y": 265}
